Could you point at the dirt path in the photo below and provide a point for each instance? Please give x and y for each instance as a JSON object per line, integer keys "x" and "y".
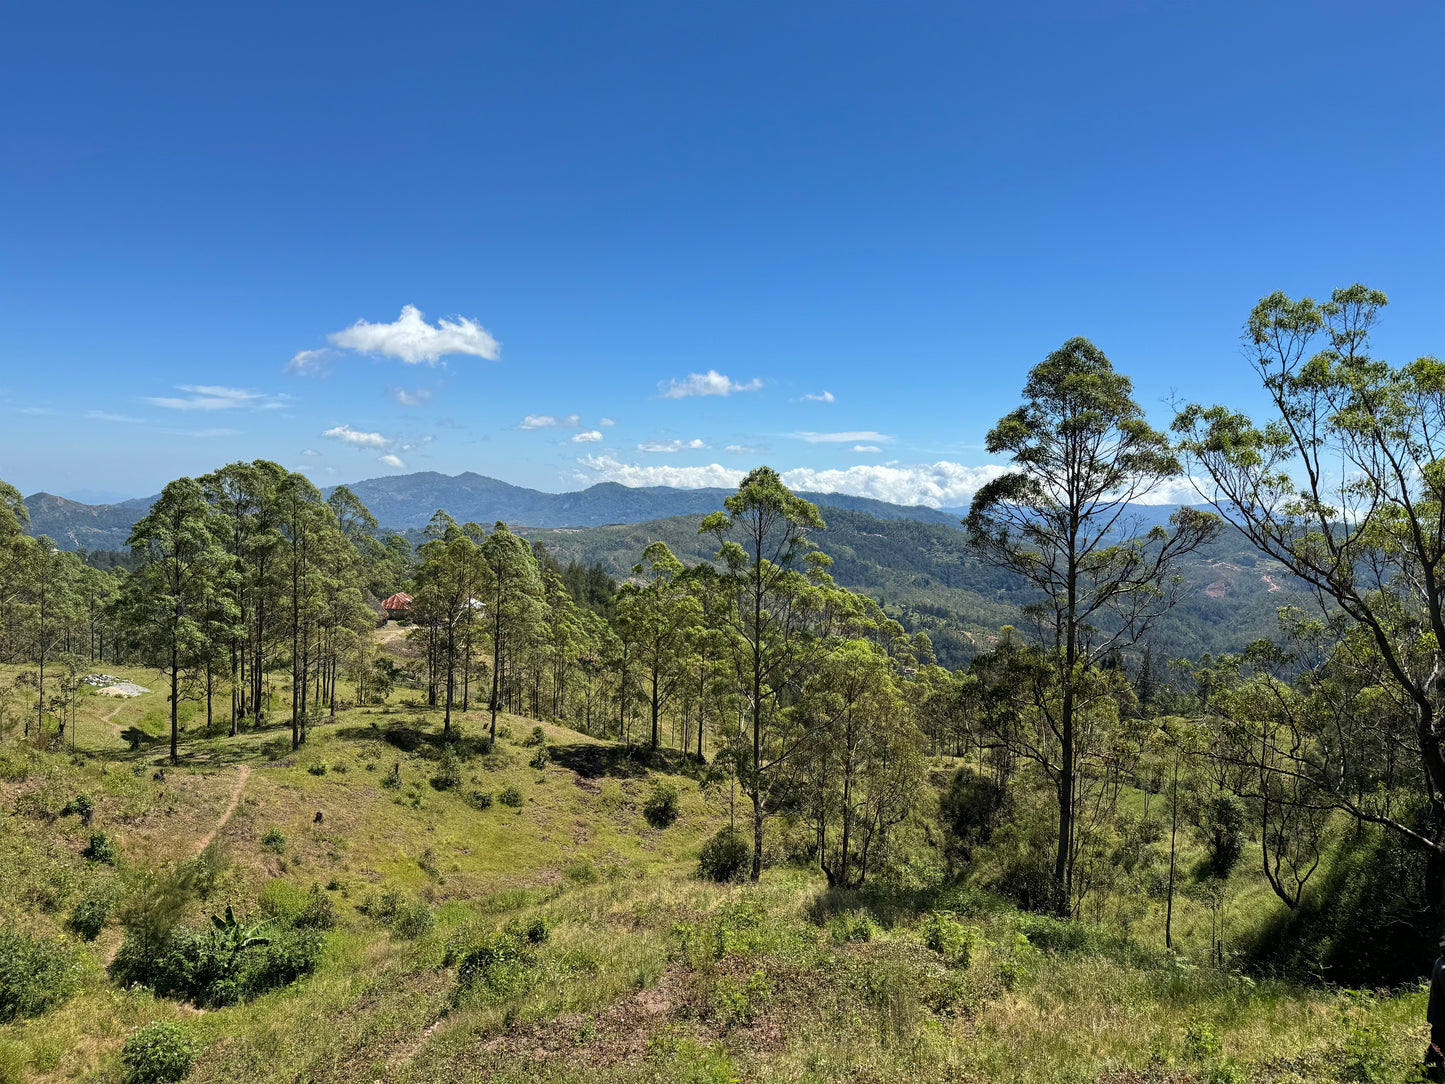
{"x": 243, "y": 774}
{"x": 1270, "y": 582}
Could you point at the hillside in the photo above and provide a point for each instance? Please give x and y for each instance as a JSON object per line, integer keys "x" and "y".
{"x": 420, "y": 934}
{"x": 407, "y": 501}
{"x": 928, "y": 578}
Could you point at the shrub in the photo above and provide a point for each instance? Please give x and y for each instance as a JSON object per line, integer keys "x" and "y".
{"x": 1221, "y": 824}
{"x": 101, "y": 848}
{"x": 724, "y": 856}
{"x": 82, "y": 805}
{"x": 383, "y": 908}
{"x": 274, "y": 840}
{"x": 511, "y": 796}
{"x": 160, "y": 1051}
{"x": 951, "y": 939}
{"x": 449, "y": 771}
{"x": 319, "y": 913}
{"x": 537, "y": 737}
{"x": 734, "y": 1002}
{"x": 480, "y": 799}
{"x": 661, "y": 810}
{"x": 581, "y": 873}
{"x": 503, "y": 963}
{"x": 851, "y": 926}
{"x": 319, "y": 769}
{"x": 539, "y": 758}
{"x": 36, "y": 974}
{"x": 218, "y": 966}
{"x": 91, "y": 911}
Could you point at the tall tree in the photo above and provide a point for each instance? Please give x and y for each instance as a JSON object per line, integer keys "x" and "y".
{"x": 659, "y": 616}
{"x": 1082, "y": 453}
{"x": 165, "y": 601}
{"x": 764, "y": 550}
{"x": 1344, "y": 484}
{"x": 513, "y": 588}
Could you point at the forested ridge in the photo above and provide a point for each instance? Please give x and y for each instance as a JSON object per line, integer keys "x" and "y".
{"x": 771, "y": 792}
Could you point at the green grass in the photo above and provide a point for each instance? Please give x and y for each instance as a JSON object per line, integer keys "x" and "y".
{"x": 648, "y": 974}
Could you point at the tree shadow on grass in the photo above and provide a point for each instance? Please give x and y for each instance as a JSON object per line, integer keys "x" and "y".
{"x": 591, "y": 760}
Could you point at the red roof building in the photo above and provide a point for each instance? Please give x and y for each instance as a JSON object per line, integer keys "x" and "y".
{"x": 399, "y": 605}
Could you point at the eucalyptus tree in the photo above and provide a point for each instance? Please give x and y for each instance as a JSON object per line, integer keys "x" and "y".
{"x": 766, "y": 556}
{"x": 659, "y": 616}
{"x": 1343, "y": 483}
{"x": 1081, "y": 453}
{"x": 165, "y": 603}
{"x": 513, "y": 588}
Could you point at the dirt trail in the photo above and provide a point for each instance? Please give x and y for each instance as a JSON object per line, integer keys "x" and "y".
{"x": 243, "y": 774}
{"x": 1268, "y": 581}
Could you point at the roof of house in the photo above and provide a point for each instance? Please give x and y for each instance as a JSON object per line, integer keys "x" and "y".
{"x": 399, "y": 601}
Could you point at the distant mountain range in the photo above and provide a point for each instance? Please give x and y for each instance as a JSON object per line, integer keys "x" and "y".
{"x": 408, "y": 501}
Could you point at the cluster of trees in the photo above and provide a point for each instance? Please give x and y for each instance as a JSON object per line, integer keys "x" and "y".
{"x": 821, "y": 708}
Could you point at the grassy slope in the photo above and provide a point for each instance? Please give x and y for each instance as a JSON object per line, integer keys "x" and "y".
{"x": 649, "y": 975}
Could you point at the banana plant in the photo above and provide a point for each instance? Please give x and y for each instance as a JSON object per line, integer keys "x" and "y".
{"x": 236, "y": 938}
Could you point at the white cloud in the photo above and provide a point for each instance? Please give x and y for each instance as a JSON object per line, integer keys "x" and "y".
{"x": 606, "y": 468}
{"x": 411, "y": 398}
{"x": 942, "y": 484}
{"x": 711, "y": 382}
{"x": 866, "y": 448}
{"x": 821, "y": 397}
{"x": 672, "y": 445}
{"x": 216, "y": 397}
{"x": 608, "y": 421}
{"x": 308, "y": 362}
{"x": 743, "y": 449}
{"x": 393, "y": 461}
{"x": 412, "y": 340}
{"x": 348, "y": 435}
{"x": 548, "y": 421}
{"x": 107, "y": 416}
{"x": 588, "y": 436}
{"x": 309, "y": 452}
{"x": 864, "y": 436}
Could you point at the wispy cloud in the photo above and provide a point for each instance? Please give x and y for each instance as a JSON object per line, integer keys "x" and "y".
{"x": 548, "y": 421}
{"x": 744, "y": 449}
{"x": 672, "y": 445}
{"x": 107, "y": 416}
{"x": 310, "y": 452}
{"x": 711, "y": 382}
{"x": 308, "y": 362}
{"x": 360, "y": 439}
{"x": 865, "y": 436}
{"x": 866, "y": 448}
{"x": 820, "y": 397}
{"x": 393, "y": 461}
{"x": 411, "y": 339}
{"x": 217, "y": 397}
{"x": 607, "y": 421}
{"x": 202, "y": 434}
{"x": 411, "y": 398}
{"x": 587, "y": 436}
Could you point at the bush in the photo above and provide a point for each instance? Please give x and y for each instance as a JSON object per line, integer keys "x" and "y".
{"x": 449, "y": 772}
{"x": 851, "y": 926}
{"x": 581, "y": 873}
{"x": 511, "y": 796}
{"x": 951, "y": 939}
{"x": 160, "y": 1051}
{"x": 413, "y": 921}
{"x": 319, "y": 769}
{"x": 1221, "y": 824}
{"x": 319, "y": 913}
{"x": 217, "y": 967}
{"x": 537, "y": 737}
{"x": 36, "y": 974}
{"x": 660, "y": 809}
{"x": 539, "y": 758}
{"x": 81, "y": 805}
{"x": 101, "y": 848}
{"x": 969, "y": 810}
{"x": 503, "y": 963}
{"x": 480, "y": 799}
{"x": 274, "y": 840}
{"x": 91, "y": 911}
{"x": 725, "y": 856}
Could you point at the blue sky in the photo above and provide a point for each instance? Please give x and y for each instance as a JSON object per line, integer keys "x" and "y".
{"x": 367, "y": 239}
